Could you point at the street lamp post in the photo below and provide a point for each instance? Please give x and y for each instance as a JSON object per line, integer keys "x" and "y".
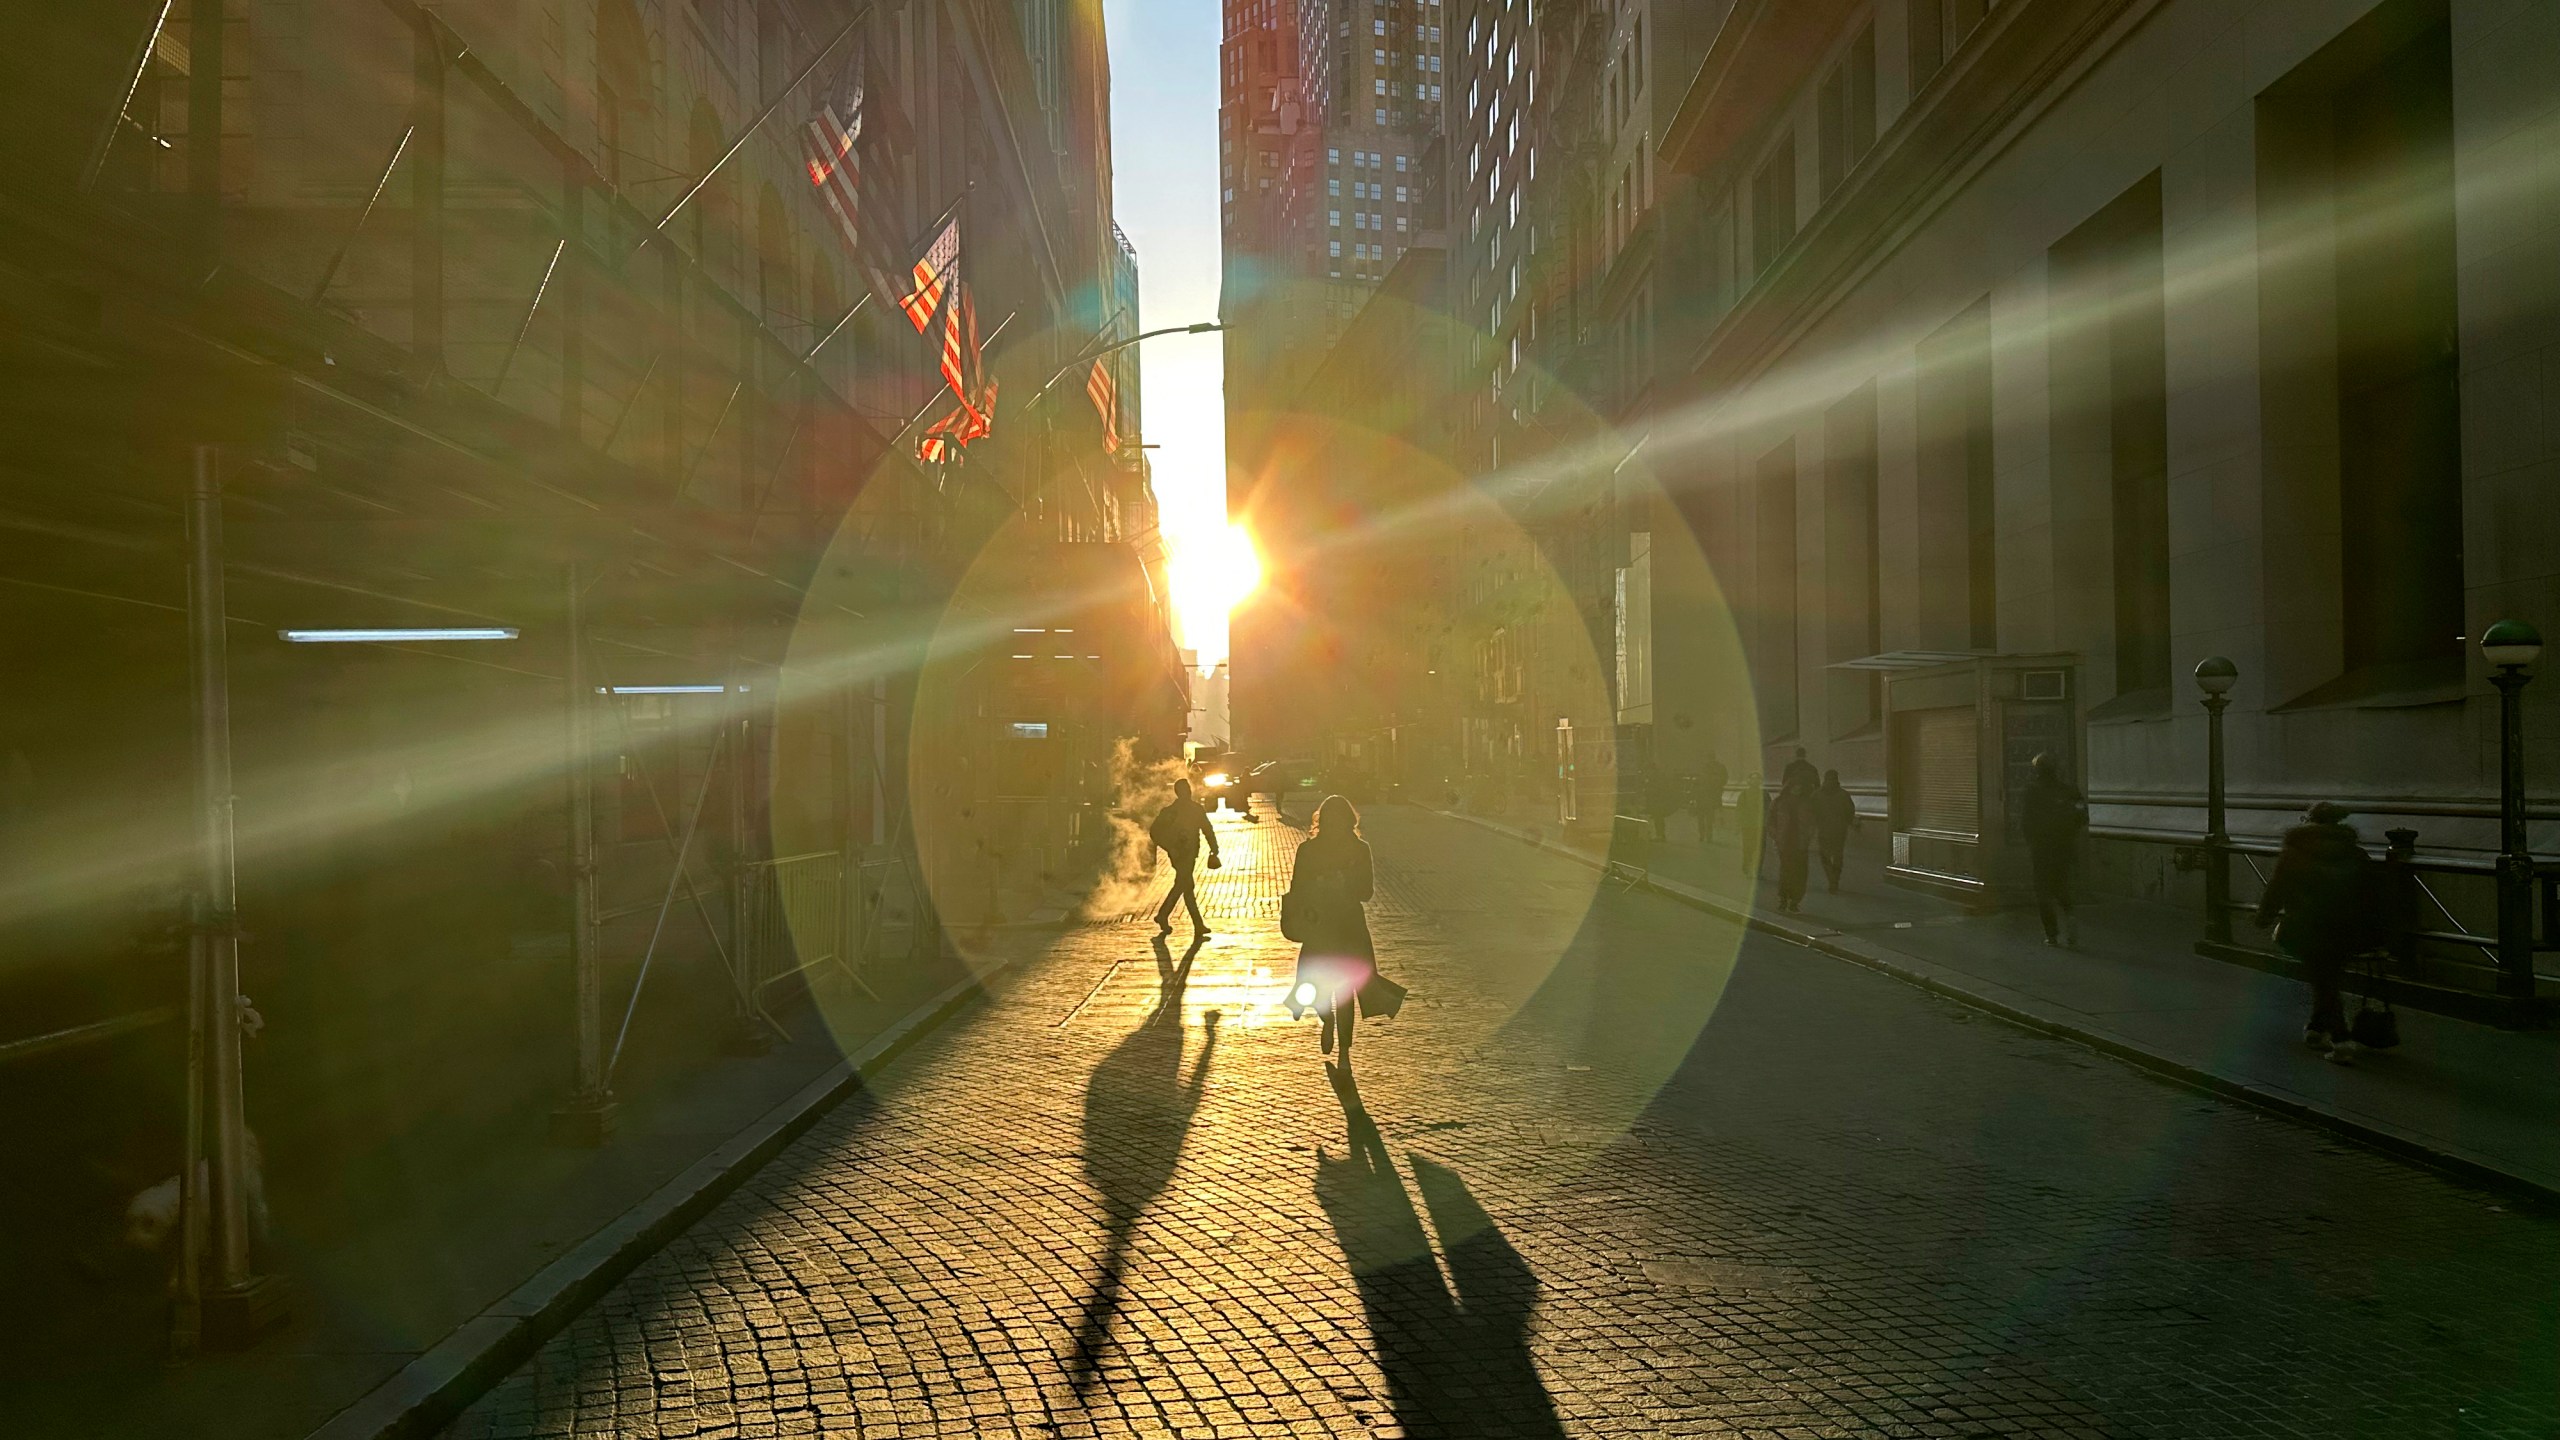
{"x": 2511, "y": 647}
{"x": 2215, "y": 677}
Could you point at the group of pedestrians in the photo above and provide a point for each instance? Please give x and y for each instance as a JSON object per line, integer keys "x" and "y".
{"x": 2324, "y": 899}
{"x": 1811, "y": 817}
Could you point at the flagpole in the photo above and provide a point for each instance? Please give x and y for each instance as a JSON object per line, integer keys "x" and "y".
{"x": 748, "y": 133}
{"x": 934, "y": 226}
{"x": 899, "y": 437}
{"x": 841, "y": 322}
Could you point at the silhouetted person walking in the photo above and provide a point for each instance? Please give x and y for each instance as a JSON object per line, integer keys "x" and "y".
{"x": 1329, "y": 882}
{"x": 1178, "y": 830}
{"x": 1711, "y": 783}
{"x": 1791, "y": 826}
{"x": 1834, "y": 814}
{"x": 2053, "y": 815}
{"x": 1750, "y": 808}
{"x": 1799, "y": 771}
{"x": 2319, "y": 899}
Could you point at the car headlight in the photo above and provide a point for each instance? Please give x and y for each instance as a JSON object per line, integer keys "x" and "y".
{"x": 1216, "y": 781}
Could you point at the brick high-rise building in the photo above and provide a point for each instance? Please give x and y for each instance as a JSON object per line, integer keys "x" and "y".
{"x": 1332, "y": 109}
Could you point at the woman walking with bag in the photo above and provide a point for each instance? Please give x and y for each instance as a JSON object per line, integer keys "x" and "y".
{"x": 1330, "y": 881}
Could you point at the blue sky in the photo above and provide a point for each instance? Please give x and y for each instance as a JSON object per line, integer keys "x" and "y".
{"x": 1164, "y": 138}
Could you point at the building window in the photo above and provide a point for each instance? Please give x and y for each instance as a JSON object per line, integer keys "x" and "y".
{"x": 1773, "y": 205}
{"x": 2109, "y": 398}
{"x": 1958, "y": 514}
{"x": 1773, "y": 593}
{"x": 1852, "y": 578}
{"x": 1926, "y": 28}
{"x": 2362, "y": 129}
{"x": 1848, "y": 113}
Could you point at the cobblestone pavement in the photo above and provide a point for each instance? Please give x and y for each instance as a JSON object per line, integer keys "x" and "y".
{"x": 1612, "y": 1180}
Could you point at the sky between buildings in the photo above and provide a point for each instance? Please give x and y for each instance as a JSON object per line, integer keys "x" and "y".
{"x": 1164, "y": 136}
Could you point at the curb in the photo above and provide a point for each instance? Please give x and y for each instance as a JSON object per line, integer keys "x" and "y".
{"x": 2391, "y": 1140}
{"x": 429, "y": 1391}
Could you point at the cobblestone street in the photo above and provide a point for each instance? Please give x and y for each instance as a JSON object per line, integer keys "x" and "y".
{"x": 1614, "y": 1171}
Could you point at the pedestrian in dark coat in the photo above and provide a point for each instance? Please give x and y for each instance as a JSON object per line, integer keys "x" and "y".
{"x": 1711, "y": 782}
{"x": 2317, "y": 898}
{"x": 2053, "y": 814}
{"x": 1834, "y": 813}
{"x": 1178, "y": 830}
{"x": 1791, "y": 833}
{"x": 1333, "y": 874}
{"x": 1799, "y": 771}
{"x": 1750, "y": 816}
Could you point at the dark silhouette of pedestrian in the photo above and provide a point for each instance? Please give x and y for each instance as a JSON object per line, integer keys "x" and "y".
{"x": 1178, "y": 830}
{"x": 1834, "y": 813}
{"x": 2318, "y": 898}
{"x": 1661, "y": 801}
{"x": 1330, "y": 881}
{"x": 1711, "y": 783}
{"x": 1799, "y": 771}
{"x": 1750, "y": 812}
{"x": 2054, "y": 815}
{"x": 1791, "y": 832}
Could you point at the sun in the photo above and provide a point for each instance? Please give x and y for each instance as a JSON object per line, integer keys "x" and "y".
{"x": 1212, "y": 575}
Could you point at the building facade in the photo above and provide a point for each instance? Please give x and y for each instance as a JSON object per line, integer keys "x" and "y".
{"x": 1996, "y": 364}
{"x": 525, "y": 321}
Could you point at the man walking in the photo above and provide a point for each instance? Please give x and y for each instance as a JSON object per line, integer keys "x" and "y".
{"x": 1833, "y": 815}
{"x": 1711, "y": 780}
{"x": 1799, "y": 774}
{"x": 2053, "y": 815}
{"x": 2321, "y": 893}
{"x": 1178, "y": 830}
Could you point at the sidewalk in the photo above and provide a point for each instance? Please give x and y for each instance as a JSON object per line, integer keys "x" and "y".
{"x": 2472, "y": 1099}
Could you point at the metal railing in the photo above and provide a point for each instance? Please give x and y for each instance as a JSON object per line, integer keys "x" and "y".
{"x": 2417, "y": 910}
{"x": 792, "y": 922}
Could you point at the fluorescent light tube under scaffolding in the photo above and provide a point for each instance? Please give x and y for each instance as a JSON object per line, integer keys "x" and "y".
{"x": 398, "y": 637}
{"x": 664, "y": 689}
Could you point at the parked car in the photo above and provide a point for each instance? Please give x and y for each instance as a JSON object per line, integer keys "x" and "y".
{"x": 1280, "y": 779}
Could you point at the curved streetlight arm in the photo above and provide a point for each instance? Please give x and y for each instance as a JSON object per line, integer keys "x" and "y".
{"x": 1094, "y": 353}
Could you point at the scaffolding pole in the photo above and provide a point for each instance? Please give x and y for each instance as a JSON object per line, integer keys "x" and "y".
{"x": 239, "y": 1304}
{"x": 588, "y": 1117}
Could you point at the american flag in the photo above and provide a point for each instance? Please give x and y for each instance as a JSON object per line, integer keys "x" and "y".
{"x": 933, "y": 275}
{"x": 1106, "y": 402}
{"x": 973, "y": 415}
{"x": 960, "y": 354}
{"x": 827, "y": 142}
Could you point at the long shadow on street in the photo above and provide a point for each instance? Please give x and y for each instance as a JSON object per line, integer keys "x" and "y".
{"x": 1456, "y": 1364}
{"x": 1137, "y": 1113}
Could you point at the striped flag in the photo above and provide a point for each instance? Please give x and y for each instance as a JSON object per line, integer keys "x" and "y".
{"x": 827, "y": 145}
{"x": 933, "y": 276}
{"x": 960, "y": 354}
{"x": 972, "y": 416}
{"x": 1106, "y": 403}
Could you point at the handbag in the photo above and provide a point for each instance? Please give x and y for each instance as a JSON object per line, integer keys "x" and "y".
{"x": 1380, "y": 998}
{"x": 1297, "y": 915}
{"x": 2376, "y": 1027}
